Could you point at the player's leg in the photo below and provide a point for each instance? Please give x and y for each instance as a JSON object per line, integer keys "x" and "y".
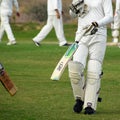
{"x": 115, "y": 35}
{"x": 45, "y": 30}
{"x": 76, "y": 69}
{"x": 116, "y": 27}
{"x": 77, "y": 83}
{"x": 92, "y": 86}
{"x": 58, "y": 25}
{"x": 8, "y": 30}
{"x": 1, "y": 31}
{"x": 94, "y": 70}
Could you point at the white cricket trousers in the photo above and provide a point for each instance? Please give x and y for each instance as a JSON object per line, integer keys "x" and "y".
{"x": 52, "y": 21}
{"x": 5, "y": 26}
{"x": 91, "y": 48}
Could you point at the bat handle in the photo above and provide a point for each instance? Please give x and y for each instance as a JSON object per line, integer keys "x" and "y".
{"x": 81, "y": 35}
{"x": 77, "y": 42}
{"x": 1, "y": 69}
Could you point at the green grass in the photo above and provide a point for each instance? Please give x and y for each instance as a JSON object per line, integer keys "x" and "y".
{"x": 38, "y": 97}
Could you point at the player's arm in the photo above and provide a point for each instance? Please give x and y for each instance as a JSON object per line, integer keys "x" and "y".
{"x": 55, "y": 7}
{"x": 17, "y": 7}
{"x": 104, "y": 21}
{"x": 57, "y": 13}
{"x": 107, "y": 6}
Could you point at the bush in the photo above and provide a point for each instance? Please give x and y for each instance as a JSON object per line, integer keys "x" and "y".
{"x": 39, "y": 12}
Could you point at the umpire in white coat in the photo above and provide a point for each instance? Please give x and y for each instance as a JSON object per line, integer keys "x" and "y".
{"x": 116, "y": 24}
{"x": 90, "y": 52}
{"x": 54, "y": 10}
{"x": 6, "y": 9}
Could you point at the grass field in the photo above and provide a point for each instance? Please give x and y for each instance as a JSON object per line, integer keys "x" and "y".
{"x": 38, "y": 97}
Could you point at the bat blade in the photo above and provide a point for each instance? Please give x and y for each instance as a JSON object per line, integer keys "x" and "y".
{"x": 59, "y": 69}
{"x": 7, "y": 82}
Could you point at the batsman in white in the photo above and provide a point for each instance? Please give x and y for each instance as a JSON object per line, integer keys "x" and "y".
{"x": 90, "y": 52}
{"x": 54, "y": 10}
{"x": 115, "y": 26}
{"x": 6, "y": 9}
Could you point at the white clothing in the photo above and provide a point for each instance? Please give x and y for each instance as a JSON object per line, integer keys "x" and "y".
{"x": 5, "y": 26}
{"x": 116, "y": 24}
{"x": 100, "y": 12}
{"x": 93, "y": 46}
{"x": 96, "y": 14}
{"x": 53, "y": 21}
{"x": 52, "y": 5}
{"x": 6, "y": 8}
{"x": 117, "y": 15}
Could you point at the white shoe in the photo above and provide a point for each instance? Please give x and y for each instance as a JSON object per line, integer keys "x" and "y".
{"x": 11, "y": 43}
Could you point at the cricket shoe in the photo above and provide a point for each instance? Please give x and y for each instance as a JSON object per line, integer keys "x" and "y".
{"x": 36, "y": 43}
{"x": 11, "y": 42}
{"x": 78, "y": 106}
{"x": 89, "y": 111}
{"x": 66, "y": 44}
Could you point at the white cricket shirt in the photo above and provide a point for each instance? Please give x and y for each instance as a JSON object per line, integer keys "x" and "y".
{"x": 52, "y": 5}
{"x": 100, "y": 11}
{"x": 7, "y": 6}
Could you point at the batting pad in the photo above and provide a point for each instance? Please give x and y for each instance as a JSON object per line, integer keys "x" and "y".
{"x": 77, "y": 79}
{"x": 7, "y": 83}
{"x": 92, "y": 84}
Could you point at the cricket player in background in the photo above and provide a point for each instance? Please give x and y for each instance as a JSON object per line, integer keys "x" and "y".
{"x": 54, "y": 11}
{"x": 6, "y": 9}
{"x": 90, "y": 52}
{"x": 115, "y": 26}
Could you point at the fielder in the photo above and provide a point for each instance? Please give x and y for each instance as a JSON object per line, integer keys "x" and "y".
{"x": 115, "y": 26}
{"x": 90, "y": 52}
{"x": 6, "y": 9}
{"x": 54, "y": 9}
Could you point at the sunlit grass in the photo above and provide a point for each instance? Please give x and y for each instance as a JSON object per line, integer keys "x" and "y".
{"x": 38, "y": 97}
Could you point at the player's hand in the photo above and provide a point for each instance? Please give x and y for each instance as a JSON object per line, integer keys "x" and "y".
{"x": 18, "y": 14}
{"x": 91, "y": 29}
{"x": 95, "y": 24}
{"x": 58, "y": 15}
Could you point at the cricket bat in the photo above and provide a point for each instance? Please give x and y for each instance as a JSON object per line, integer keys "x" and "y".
{"x": 7, "y": 82}
{"x": 63, "y": 62}
{"x": 59, "y": 69}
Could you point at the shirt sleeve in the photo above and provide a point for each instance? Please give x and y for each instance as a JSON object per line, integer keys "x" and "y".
{"x": 108, "y": 11}
{"x": 117, "y": 5}
{"x": 55, "y": 4}
{"x": 16, "y": 5}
